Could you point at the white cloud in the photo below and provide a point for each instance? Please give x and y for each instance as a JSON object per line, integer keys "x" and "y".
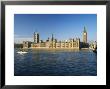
{"x": 15, "y": 35}
{"x": 20, "y": 40}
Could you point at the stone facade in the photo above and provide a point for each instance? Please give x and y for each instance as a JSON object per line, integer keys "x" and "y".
{"x": 84, "y": 35}
{"x": 36, "y": 37}
{"x": 26, "y": 44}
{"x": 61, "y": 44}
{"x": 54, "y": 43}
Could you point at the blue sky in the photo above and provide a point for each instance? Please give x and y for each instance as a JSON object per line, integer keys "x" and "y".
{"x": 62, "y": 26}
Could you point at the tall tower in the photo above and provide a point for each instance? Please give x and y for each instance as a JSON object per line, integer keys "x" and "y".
{"x": 52, "y": 37}
{"x": 36, "y": 37}
{"x": 85, "y": 35}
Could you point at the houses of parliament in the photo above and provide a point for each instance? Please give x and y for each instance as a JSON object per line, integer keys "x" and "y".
{"x": 54, "y": 43}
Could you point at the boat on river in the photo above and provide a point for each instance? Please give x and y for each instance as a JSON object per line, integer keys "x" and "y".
{"x": 22, "y": 51}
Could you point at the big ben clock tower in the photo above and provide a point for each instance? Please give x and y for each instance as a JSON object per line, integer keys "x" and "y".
{"x": 85, "y": 35}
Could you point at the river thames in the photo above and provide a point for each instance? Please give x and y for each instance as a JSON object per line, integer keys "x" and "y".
{"x": 55, "y": 63}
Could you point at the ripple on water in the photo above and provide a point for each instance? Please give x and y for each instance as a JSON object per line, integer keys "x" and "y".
{"x": 55, "y": 63}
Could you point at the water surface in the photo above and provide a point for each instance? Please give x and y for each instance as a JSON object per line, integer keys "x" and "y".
{"x": 55, "y": 63}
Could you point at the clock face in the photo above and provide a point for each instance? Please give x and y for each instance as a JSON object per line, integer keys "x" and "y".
{"x": 84, "y": 33}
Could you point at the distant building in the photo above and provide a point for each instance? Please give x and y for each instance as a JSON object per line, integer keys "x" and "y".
{"x": 93, "y": 45}
{"x": 36, "y": 37}
{"x": 85, "y": 35}
{"x": 54, "y": 43}
{"x": 26, "y": 44}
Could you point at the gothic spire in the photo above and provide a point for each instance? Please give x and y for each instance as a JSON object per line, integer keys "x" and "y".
{"x": 84, "y": 29}
{"x": 52, "y": 37}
